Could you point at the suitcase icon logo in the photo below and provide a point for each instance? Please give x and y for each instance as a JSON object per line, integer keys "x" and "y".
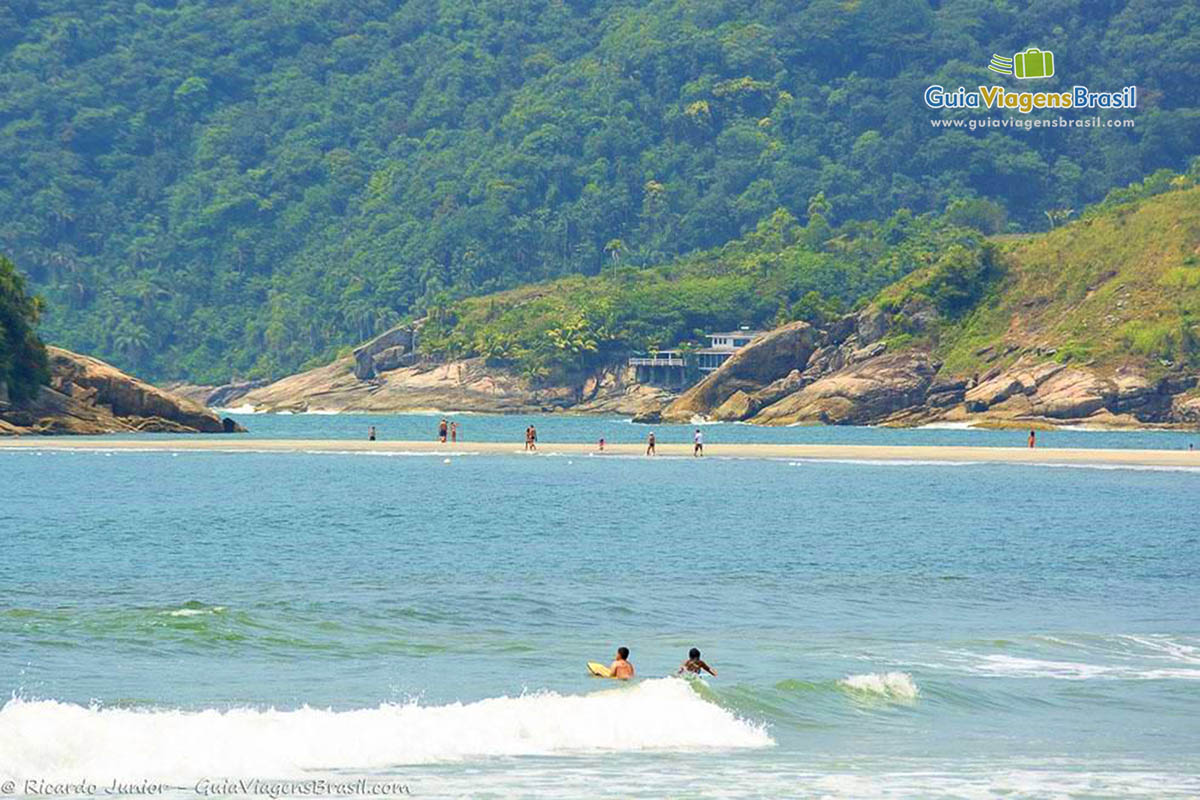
{"x": 1033, "y": 63}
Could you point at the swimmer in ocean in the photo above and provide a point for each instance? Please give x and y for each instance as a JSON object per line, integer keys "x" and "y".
{"x": 694, "y": 664}
{"x": 621, "y": 668}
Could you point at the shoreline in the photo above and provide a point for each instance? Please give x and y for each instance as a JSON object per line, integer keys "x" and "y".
{"x": 976, "y": 423}
{"x": 812, "y": 452}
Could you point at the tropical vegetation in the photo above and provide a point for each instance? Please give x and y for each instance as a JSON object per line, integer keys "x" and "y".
{"x": 23, "y": 363}
{"x": 209, "y": 189}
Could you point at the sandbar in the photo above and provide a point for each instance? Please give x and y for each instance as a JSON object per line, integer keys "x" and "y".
{"x": 839, "y": 452}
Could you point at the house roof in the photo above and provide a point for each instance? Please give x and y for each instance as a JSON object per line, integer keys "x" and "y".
{"x": 739, "y": 334}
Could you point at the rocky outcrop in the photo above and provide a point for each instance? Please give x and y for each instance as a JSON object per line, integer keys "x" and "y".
{"x": 1186, "y": 409}
{"x": 616, "y": 391}
{"x": 758, "y": 363}
{"x": 850, "y": 377}
{"x": 1072, "y": 394}
{"x": 226, "y": 395}
{"x": 388, "y": 351}
{"x": 739, "y": 406}
{"x": 1021, "y": 379}
{"x": 466, "y": 385}
{"x": 868, "y": 391}
{"x": 1055, "y": 392}
{"x": 846, "y": 374}
{"x": 88, "y": 396}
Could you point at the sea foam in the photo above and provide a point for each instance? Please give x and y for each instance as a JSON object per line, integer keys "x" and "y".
{"x": 889, "y": 685}
{"x": 56, "y": 740}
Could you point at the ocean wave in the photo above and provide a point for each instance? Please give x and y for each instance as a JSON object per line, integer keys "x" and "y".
{"x": 1071, "y": 657}
{"x": 984, "y": 462}
{"x": 1001, "y": 780}
{"x": 887, "y": 685}
{"x": 947, "y": 426}
{"x": 194, "y": 609}
{"x": 1021, "y": 667}
{"x": 245, "y": 408}
{"x": 387, "y": 453}
{"x": 52, "y": 739}
{"x": 1134, "y": 467}
{"x": 1165, "y": 647}
{"x": 886, "y": 462}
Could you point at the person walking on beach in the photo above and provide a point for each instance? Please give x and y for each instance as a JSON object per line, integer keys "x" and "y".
{"x": 694, "y": 664}
{"x": 531, "y": 438}
{"x": 698, "y": 443}
{"x": 442, "y": 431}
{"x": 1032, "y": 438}
{"x": 453, "y": 432}
{"x": 601, "y": 444}
{"x": 371, "y": 434}
{"x": 621, "y": 668}
{"x": 650, "y": 444}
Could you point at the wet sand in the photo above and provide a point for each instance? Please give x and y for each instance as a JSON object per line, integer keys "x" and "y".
{"x": 845, "y": 452}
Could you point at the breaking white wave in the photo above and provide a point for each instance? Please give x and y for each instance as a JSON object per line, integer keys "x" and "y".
{"x": 885, "y": 462}
{"x": 947, "y": 426}
{"x": 194, "y": 611}
{"x": 245, "y": 408}
{"x": 54, "y": 740}
{"x": 1133, "y": 467}
{"x": 889, "y": 685}
{"x": 1017, "y": 667}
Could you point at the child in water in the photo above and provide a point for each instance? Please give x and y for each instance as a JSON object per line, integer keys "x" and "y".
{"x": 621, "y": 668}
{"x": 694, "y": 664}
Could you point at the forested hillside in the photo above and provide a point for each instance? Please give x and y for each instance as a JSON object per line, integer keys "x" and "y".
{"x": 203, "y": 189}
{"x": 781, "y": 271}
{"x": 23, "y": 364}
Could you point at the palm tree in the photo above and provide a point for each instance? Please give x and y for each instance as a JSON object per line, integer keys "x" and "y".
{"x": 131, "y": 340}
{"x": 1058, "y": 216}
{"x": 533, "y": 372}
{"x": 614, "y": 248}
{"x": 575, "y": 339}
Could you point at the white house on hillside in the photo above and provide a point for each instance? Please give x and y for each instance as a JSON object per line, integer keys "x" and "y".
{"x": 722, "y": 346}
{"x": 669, "y": 367}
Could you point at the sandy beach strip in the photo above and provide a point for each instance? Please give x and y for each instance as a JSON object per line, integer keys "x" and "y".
{"x": 841, "y": 452}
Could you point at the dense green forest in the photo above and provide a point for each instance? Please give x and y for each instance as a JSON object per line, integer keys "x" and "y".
{"x": 23, "y": 362}
{"x": 204, "y": 189}
{"x": 779, "y": 272}
{"x": 782, "y": 271}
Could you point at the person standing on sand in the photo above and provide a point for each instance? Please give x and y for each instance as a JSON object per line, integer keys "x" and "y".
{"x": 698, "y": 446}
{"x": 533, "y": 437}
{"x": 601, "y": 444}
{"x": 442, "y": 431}
{"x": 371, "y": 434}
{"x": 650, "y": 451}
{"x": 1032, "y": 438}
{"x": 453, "y": 432}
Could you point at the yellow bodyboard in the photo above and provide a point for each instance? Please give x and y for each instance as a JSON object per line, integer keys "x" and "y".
{"x": 599, "y": 670}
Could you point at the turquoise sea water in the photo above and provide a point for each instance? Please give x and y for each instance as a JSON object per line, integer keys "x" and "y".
{"x": 880, "y": 630}
{"x": 589, "y": 428}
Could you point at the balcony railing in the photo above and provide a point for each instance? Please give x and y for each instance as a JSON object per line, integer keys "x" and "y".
{"x": 644, "y": 361}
